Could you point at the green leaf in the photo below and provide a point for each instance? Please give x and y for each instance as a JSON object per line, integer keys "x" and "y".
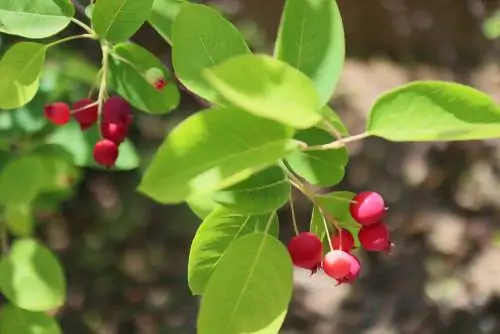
{"x": 21, "y": 67}
{"x": 21, "y": 181}
{"x": 332, "y": 120}
{"x": 31, "y": 277}
{"x": 129, "y": 80}
{"x": 434, "y": 111}
{"x": 202, "y": 38}
{"x": 337, "y": 205}
{"x": 19, "y": 220}
{"x": 323, "y": 167}
{"x": 163, "y": 15}
{"x": 35, "y": 18}
{"x": 217, "y": 232}
{"x": 311, "y": 39}
{"x": 249, "y": 290}
{"x": 270, "y": 88}
{"x": 118, "y": 20}
{"x": 202, "y": 206}
{"x": 491, "y": 26}
{"x": 212, "y": 150}
{"x": 89, "y": 10}
{"x": 263, "y": 192}
{"x": 14, "y": 320}
{"x": 80, "y": 145}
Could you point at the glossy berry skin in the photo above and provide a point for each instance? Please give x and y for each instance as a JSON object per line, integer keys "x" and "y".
{"x": 86, "y": 117}
{"x": 375, "y": 238}
{"x": 116, "y": 132}
{"x": 354, "y": 271}
{"x": 306, "y": 250}
{"x": 156, "y": 78}
{"x": 343, "y": 241}
{"x": 105, "y": 153}
{"x": 117, "y": 110}
{"x": 337, "y": 264}
{"x": 367, "y": 208}
{"x": 58, "y": 113}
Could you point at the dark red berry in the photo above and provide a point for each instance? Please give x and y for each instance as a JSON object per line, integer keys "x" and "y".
{"x": 85, "y": 116}
{"x": 343, "y": 241}
{"x": 306, "y": 250}
{"x": 353, "y": 271}
{"x": 58, "y": 113}
{"x": 117, "y": 110}
{"x": 367, "y": 208}
{"x": 375, "y": 238}
{"x": 105, "y": 153}
{"x": 337, "y": 264}
{"x": 116, "y": 132}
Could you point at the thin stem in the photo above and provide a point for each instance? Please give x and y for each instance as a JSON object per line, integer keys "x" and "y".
{"x": 83, "y": 25}
{"x": 325, "y": 225}
{"x": 126, "y": 61}
{"x": 103, "y": 84}
{"x": 332, "y": 130}
{"x": 268, "y": 224}
{"x": 70, "y": 38}
{"x": 294, "y": 220}
{"x": 84, "y": 107}
{"x": 337, "y": 143}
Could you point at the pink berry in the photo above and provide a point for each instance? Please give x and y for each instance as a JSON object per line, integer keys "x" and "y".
{"x": 375, "y": 238}
{"x": 156, "y": 78}
{"x": 337, "y": 264}
{"x": 306, "y": 251}
{"x": 116, "y": 132}
{"x": 58, "y": 113}
{"x": 105, "y": 153}
{"x": 85, "y": 116}
{"x": 117, "y": 110}
{"x": 354, "y": 271}
{"x": 367, "y": 208}
{"x": 343, "y": 241}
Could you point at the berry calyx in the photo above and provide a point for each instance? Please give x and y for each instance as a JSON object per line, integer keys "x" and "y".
{"x": 306, "y": 251}
{"x": 85, "y": 116}
{"x": 105, "y": 153}
{"x": 354, "y": 271}
{"x": 117, "y": 110}
{"x": 367, "y": 208}
{"x": 156, "y": 78}
{"x": 343, "y": 241}
{"x": 337, "y": 264}
{"x": 57, "y": 113}
{"x": 375, "y": 238}
{"x": 116, "y": 132}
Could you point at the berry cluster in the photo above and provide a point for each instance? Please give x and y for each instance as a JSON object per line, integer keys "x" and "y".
{"x": 115, "y": 122}
{"x": 306, "y": 249}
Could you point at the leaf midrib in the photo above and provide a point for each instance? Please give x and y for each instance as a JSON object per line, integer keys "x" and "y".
{"x": 112, "y": 21}
{"x": 35, "y": 14}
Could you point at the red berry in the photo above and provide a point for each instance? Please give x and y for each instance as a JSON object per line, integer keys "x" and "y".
{"x": 368, "y": 208}
{"x": 58, "y": 113}
{"x": 306, "y": 250}
{"x": 116, "y": 132}
{"x": 353, "y": 271}
{"x": 105, "y": 153}
{"x": 86, "y": 117}
{"x": 375, "y": 238}
{"x": 156, "y": 78}
{"x": 117, "y": 110}
{"x": 337, "y": 264}
{"x": 343, "y": 241}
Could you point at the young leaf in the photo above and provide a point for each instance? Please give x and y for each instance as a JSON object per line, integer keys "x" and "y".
{"x": 21, "y": 67}
{"x": 35, "y": 18}
{"x": 250, "y": 289}
{"x": 15, "y": 320}
{"x": 270, "y": 88}
{"x": 31, "y": 277}
{"x": 202, "y": 38}
{"x": 434, "y": 111}
{"x": 89, "y": 9}
{"x": 21, "y": 181}
{"x": 212, "y": 150}
{"x": 19, "y": 220}
{"x": 129, "y": 80}
{"x": 217, "y": 232}
{"x": 163, "y": 15}
{"x": 322, "y": 168}
{"x": 311, "y": 39}
{"x": 332, "y": 120}
{"x": 118, "y": 20}
{"x": 263, "y": 192}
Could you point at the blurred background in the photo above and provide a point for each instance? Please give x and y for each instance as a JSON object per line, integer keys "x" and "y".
{"x": 126, "y": 257}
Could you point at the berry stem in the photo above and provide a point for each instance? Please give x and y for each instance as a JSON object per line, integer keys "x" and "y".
{"x": 335, "y": 133}
{"x": 337, "y": 143}
{"x": 294, "y": 220}
{"x": 83, "y": 25}
{"x": 102, "y": 86}
{"x": 84, "y": 107}
{"x": 327, "y": 232}
{"x": 123, "y": 60}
